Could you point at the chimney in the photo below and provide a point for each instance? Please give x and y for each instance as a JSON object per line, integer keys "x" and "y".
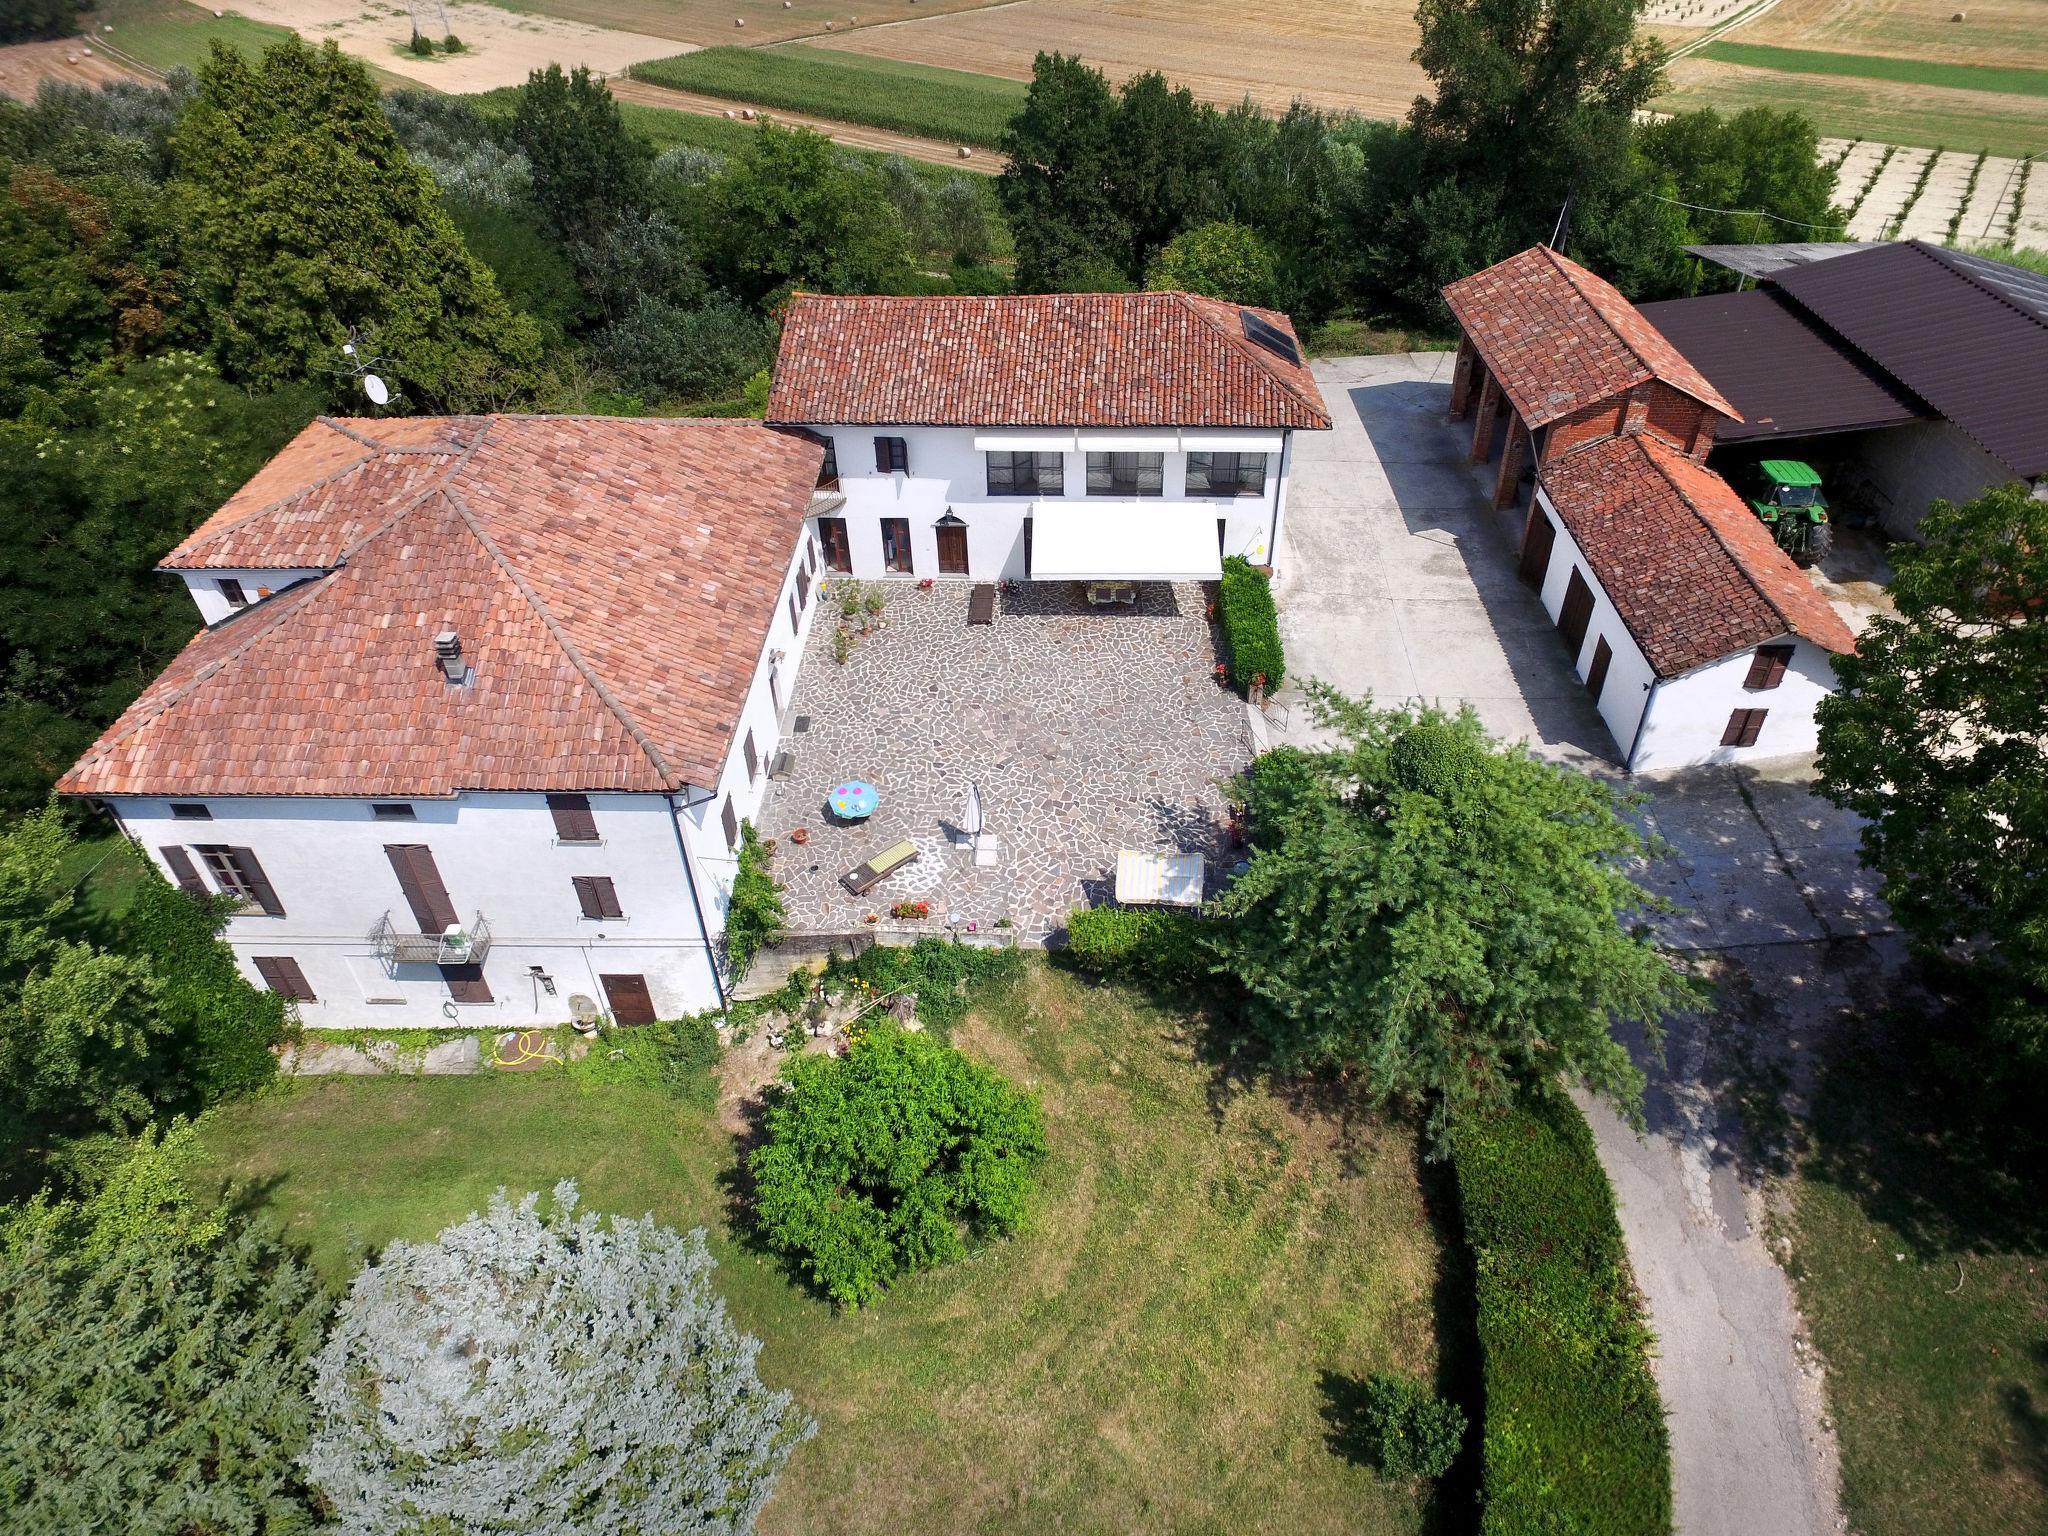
{"x": 448, "y": 656}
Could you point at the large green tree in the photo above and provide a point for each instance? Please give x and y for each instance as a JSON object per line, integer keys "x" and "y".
{"x": 1451, "y": 918}
{"x": 307, "y": 218}
{"x": 587, "y": 169}
{"x": 790, "y": 211}
{"x": 1939, "y": 740}
{"x": 1058, "y": 188}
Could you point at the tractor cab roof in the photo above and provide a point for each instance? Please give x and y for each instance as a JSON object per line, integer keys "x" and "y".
{"x": 1790, "y": 472}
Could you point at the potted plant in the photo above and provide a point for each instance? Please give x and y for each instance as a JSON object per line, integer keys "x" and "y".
{"x": 800, "y": 835}
{"x": 911, "y": 910}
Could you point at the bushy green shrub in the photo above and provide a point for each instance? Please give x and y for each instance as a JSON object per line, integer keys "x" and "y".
{"x": 755, "y": 916}
{"x": 1575, "y": 1437}
{"x": 944, "y": 974}
{"x": 1153, "y": 943}
{"x": 1412, "y": 1432}
{"x": 889, "y": 1159}
{"x": 1251, "y": 626}
{"x": 677, "y": 1055}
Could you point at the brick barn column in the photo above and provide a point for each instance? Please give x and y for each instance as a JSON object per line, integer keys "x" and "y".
{"x": 1508, "y": 486}
{"x": 1482, "y": 424}
{"x": 1461, "y": 378}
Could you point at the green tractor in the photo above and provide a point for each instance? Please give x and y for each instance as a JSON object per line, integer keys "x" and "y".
{"x": 1789, "y": 501}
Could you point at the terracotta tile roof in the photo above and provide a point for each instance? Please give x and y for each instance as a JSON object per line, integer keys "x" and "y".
{"x": 1558, "y": 338}
{"x": 1691, "y": 571}
{"x": 612, "y": 583}
{"x": 1044, "y": 360}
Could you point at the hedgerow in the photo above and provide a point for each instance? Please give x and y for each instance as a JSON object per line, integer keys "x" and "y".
{"x": 1574, "y": 1431}
{"x": 754, "y": 916}
{"x": 1251, "y": 626}
{"x": 1153, "y": 943}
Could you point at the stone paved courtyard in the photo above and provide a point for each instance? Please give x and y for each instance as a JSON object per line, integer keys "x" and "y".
{"x": 1088, "y": 730}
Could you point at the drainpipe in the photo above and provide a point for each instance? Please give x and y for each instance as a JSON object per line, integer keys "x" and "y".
{"x": 696, "y": 902}
{"x": 1641, "y": 720}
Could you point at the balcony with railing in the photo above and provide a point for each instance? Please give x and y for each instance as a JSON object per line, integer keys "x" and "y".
{"x": 460, "y": 945}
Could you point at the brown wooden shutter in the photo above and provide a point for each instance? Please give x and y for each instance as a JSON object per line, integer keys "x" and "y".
{"x": 596, "y": 895}
{"x": 183, "y": 870}
{"x": 466, "y": 983}
{"x": 1576, "y": 613}
{"x": 573, "y": 821}
{"x": 731, "y": 823}
{"x": 795, "y": 615}
{"x": 282, "y": 975}
{"x": 413, "y": 863}
{"x": 260, "y": 890}
{"x": 1744, "y": 726}
{"x": 1538, "y": 539}
{"x": 1596, "y": 675}
{"x": 1767, "y": 667}
{"x": 803, "y": 588}
{"x": 892, "y": 455}
{"x": 631, "y": 1002}
{"x": 753, "y": 758}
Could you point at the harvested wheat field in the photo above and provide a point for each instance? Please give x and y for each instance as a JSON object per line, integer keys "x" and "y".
{"x": 24, "y": 66}
{"x": 1354, "y": 53}
{"x": 704, "y": 22}
{"x": 1991, "y": 32}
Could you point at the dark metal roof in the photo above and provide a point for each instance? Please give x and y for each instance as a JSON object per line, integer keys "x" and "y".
{"x": 1967, "y": 335}
{"x": 1788, "y": 376}
{"x": 1767, "y": 260}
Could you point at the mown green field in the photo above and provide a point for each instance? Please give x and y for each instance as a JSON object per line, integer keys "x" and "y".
{"x": 949, "y": 105}
{"x": 1168, "y": 1347}
{"x": 163, "y": 34}
{"x": 1810, "y": 61}
{"x": 1887, "y": 111}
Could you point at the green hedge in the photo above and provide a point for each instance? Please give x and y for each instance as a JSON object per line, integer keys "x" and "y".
{"x": 1251, "y": 626}
{"x": 1126, "y": 942}
{"x": 1575, "y": 1438}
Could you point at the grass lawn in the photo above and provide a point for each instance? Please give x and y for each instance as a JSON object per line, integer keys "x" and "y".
{"x": 950, "y": 105}
{"x": 165, "y": 33}
{"x": 1921, "y": 1261}
{"x": 1862, "y": 66}
{"x": 1205, "y": 1280}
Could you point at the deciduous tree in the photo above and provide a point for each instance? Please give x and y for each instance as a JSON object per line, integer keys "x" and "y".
{"x": 541, "y": 1371}
{"x": 587, "y": 169}
{"x": 1939, "y": 740}
{"x": 1223, "y": 261}
{"x": 790, "y": 211}
{"x": 1451, "y": 918}
{"x": 1057, "y": 189}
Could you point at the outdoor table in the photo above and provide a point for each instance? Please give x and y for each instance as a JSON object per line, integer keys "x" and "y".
{"x": 855, "y": 800}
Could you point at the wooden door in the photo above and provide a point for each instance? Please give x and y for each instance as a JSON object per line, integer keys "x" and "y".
{"x": 1596, "y": 675}
{"x": 838, "y": 552}
{"x": 952, "y": 549}
{"x": 631, "y": 1002}
{"x": 1576, "y": 613}
{"x": 413, "y": 863}
{"x": 1537, "y": 541}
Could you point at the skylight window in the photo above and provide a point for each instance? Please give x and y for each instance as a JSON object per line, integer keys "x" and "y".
{"x": 1268, "y": 335}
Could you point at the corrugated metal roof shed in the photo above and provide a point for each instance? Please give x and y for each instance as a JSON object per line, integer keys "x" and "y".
{"x": 1788, "y": 376}
{"x": 1967, "y": 335}
{"x": 1766, "y": 260}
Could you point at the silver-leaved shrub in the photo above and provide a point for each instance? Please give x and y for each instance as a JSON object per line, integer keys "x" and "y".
{"x": 534, "y": 1370}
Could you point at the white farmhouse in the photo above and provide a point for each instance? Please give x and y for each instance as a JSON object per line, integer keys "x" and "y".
{"x": 480, "y": 707}
{"x": 1064, "y": 437}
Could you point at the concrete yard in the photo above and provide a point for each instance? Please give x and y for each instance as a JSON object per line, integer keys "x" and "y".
{"x": 1087, "y": 729}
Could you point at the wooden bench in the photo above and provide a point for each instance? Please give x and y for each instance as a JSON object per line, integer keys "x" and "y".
{"x": 863, "y": 878}
{"x": 981, "y": 605}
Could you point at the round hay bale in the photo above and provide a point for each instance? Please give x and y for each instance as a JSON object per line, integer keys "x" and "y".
{"x": 739, "y": 21}
{"x": 731, "y": 116}
{"x": 1960, "y": 16}
{"x": 965, "y": 152}
{"x": 70, "y": 58}
{"x": 747, "y": 113}
{"x": 88, "y": 53}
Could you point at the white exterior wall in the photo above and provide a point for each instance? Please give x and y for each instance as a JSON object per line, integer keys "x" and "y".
{"x": 948, "y": 473}
{"x": 498, "y": 855}
{"x": 1914, "y": 465}
{"x": 256, "y": 585}
{"x": 1687, "y": 714}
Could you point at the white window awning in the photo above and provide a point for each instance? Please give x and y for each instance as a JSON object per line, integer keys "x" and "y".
{"x": 1094, "y": 539}
{"x": 1154, "y": 440}
{"x": 1230, "y": 442}
{"x": 1024, "y": 442}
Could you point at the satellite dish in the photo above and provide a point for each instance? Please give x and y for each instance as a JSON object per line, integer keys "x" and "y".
{"x": 378, "y": 391}
{"x": 348, "y": 348}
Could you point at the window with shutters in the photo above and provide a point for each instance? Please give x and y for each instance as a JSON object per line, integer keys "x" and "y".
{"x": 1744, "y": 726}
{"x": 1026, "y": 474}
{"x": 892, "y": 456}
{"x": 188, "y": 810}
{"x": 731, "y": 821}
{"x": 1226, "y": 474}
{"x": 573, "y": 821}
{"x": 231, "y": 589}
{"x": 896, "y": 546}
{"x": 466, "y": 984}
{"x": 828, "y": 472}
{"x": 420, "y": 880}
{"x": 184, "y": 871}
{"x": 796, "y": 617}
{"x": 596, "y": 896}
{"x": 282, "y": 975}
{"x": 1767, "y": 667}
{"x": 237, "y": 874}
{"x": 392, "y": 810}
{"x": 753, "y": 758}
{"x": 1126, "y": 474}
{"x": 803, "y": 589}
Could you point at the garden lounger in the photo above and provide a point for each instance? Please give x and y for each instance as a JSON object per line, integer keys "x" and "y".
{"x": 981, "y": 605}
{"x": 1158, "y": 879}
{"x": 863, "y": 878}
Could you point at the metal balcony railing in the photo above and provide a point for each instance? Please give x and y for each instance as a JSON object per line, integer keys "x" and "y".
{"x": 461, "y": 946}
{"x": 826, "y": 501}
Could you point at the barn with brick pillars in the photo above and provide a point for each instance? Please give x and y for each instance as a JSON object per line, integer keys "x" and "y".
{"x": 1558, "y": 358}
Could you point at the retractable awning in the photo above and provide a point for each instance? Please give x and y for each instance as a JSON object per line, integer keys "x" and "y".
{"x": 1097, "y": 540}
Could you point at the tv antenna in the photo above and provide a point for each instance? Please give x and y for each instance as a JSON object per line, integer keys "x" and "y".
{"x": 362, "y": 367}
